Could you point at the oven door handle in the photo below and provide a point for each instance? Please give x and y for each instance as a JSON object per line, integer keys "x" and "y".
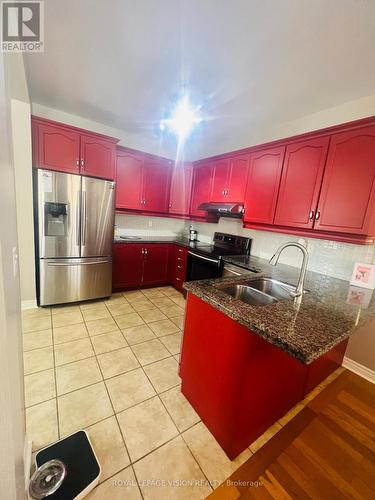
{"x": 214, "y": 261}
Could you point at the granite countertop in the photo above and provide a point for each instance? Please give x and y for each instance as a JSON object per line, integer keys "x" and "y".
{"x": 178, "y": 240}
{"x": 326, "y": 316}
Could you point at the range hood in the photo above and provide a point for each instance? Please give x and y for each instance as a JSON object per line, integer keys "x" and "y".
{"x": 223, "y": 209}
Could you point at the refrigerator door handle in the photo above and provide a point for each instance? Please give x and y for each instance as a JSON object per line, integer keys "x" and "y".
{"x": 78, "y": 210}
{"x": 69, "y": 264}
{"x": 83, "y": 219}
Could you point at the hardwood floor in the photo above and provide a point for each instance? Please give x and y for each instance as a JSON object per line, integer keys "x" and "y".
{"x": 327, "y": 451}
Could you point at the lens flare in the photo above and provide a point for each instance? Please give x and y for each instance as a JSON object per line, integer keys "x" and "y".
{"x": 184, "y": 118}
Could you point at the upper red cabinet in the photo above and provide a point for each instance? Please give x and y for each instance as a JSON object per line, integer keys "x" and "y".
{"x": 263, "y": 185}
{"x": 347, "y": 199}
{"x": 129, "y": 180}
{"x": 156, "y": 182}
{"x": 220, "y": 180}
{"x": 179, "y": 198}
{"x": 97, "y": 157}
{"x": 57, "y": 148}
{"x": 229, "y": 179}
{"x": 300, "y": 183}
{"x": 69, "y": 149}
{"x": 202, "y": 187}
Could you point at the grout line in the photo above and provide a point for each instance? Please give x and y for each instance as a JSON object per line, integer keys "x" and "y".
{"x": 55, "y": 379}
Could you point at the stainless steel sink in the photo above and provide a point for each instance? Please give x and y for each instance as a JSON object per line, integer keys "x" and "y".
{"x": 261, "y": 291}
{"x": 130, "y": 237}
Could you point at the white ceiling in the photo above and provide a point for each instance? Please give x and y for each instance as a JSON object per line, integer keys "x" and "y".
{"x": 249, "y": 63}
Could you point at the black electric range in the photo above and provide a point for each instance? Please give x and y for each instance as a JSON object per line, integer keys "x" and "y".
{"x": 205, "y": 261}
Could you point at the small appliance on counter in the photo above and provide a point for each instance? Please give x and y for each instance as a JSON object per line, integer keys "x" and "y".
{"x": 193, "y": 234}
{"x": 205, "y": 261}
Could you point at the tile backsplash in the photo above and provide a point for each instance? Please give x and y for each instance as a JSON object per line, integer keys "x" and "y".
{"x": 326, "y": 257}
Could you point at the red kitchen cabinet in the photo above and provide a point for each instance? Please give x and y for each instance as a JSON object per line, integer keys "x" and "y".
{"x": 300, "y": 183}
{"x": 202, "y": 186}
{"x": 127, "y": 265}
{"x": 239, "y": 166}
{"x": 156, "y": 184}
{"x": 177, "y": 266}
{"x": 220, "y": 180}
{"x": 155, "y": 264}
{"x": 347, "y": 198}
{"x": 58, "y": 148}
{"x": 263, "y": 185}
{"x": 180, "y": 193}
{"x": 129, "y": 180}
{"x": 97, "y": 157}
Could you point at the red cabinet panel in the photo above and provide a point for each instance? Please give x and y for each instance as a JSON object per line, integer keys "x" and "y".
{"x": 177, "y": 266}
{"x": 127, "y": 265}
{"x": 220, "y": 180}
{"x": 263, "y": 185}
{"x": 129, "y": 181}
{"x": 347, "y": 199}
{"x": 97, "y": 157}
{"x": 179, "y": 199}
{"x": 156, "y": 183}
{"x": 58, "y": 148}
{"x": 300, "y": 183}
{"x": 239, "y": 166}
{"x": 202, "y": 184}
{"x": 155, "y": 264}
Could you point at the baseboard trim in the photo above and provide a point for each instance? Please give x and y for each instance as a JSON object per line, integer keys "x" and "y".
{"x": 360, "y": 370}
{"x": 27, "y": 454}
{"x": 29, "y": 304}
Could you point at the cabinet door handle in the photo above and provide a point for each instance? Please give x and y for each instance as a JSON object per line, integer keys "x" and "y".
{"x": 77, "y": 163}
{"x": 317, "y": 215}
{"x": 82, "y": 163}
{"x": 311, "y": 215}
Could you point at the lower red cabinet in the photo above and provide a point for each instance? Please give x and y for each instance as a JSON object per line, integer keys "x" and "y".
{"x": 177, "y": 266}
{"x": 155, "y": 264}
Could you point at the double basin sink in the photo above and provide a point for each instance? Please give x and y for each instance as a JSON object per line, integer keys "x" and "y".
{"x": 261, "y": 291}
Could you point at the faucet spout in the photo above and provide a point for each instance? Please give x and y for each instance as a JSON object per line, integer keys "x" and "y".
{"x": 301, "y": 280}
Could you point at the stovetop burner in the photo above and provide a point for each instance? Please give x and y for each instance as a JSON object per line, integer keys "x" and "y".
{"x": 225, "y": 244}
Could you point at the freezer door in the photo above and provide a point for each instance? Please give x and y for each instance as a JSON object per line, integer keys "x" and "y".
{"x": 73, "y": 280}
{"x": 97, "y": 217}
{"x": 59, "y": 196}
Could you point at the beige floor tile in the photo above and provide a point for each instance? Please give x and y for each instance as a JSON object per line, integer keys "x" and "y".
{"x": 116, "y": 362}
{"x": 36, "y": 340}
{"x": 82, "y": 408}
{"x": 36, "y": 312}
{"x": 64, "y": 319}
{"x": 64, "y": 309}
{"x": 172, "y": 311}
{"x": 36, "y": 324}
{"x": 138, "y": 334}
{"x": 91, "y": 304}
{"x": 152, "y": 293}
{"x": 101, "y": 326}
{"x": 266, "y": 436}
{"x": 177, "y": 358}
{"x": 179, "y": 301}
{"x": 174, "y": 466}
{"x": 128, "y": 320}
{"x": 163, "y": 302}
{"x": 163, "y": 374}
{"x": 152, "y": 315}
{"x": 108, "y": 342}
{"x": 109, "y": 447}
{"x": 129, "y": 389}
{"x": 174, "y": 295}
{"x": 116, "y": 300}
{"x": 291, "y": 414}
{"x": 169, "y": 290}
{"x": 143, "y": 305}
{"x": 38, "y": 360}
{"x": 122, "y": 485}
{"x": 179, "y": 321}
{"x": 172, "y": 342}
{"x": 73, "y": 351}
{"x": 179, "y": 408}
{"x": 163, "y": 327}
{"x": 145, "y": 427}
{"x": 39, "y": 387}
{"x": 95, "y": 313}
{"x": 41, "y": 424}
{"x": 150, "y": 351}
{"x": 133, "y": 296}
{"x": 76, "y": 375}
{"x": 211, "y": 458}
{"x": 68, "y": 333}
{"x": 120, "y": 309}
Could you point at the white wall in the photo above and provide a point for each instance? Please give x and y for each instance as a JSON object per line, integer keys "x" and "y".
{"x": 138, "y": 225}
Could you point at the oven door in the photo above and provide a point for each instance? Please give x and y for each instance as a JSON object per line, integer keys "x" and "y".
{"x": 200, "y": 267}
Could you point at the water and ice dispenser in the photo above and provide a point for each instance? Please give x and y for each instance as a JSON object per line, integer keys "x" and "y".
{"x": 56, "y": 218}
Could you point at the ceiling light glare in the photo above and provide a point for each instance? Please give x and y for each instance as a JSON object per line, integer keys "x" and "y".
{"x": 183, "y": 119}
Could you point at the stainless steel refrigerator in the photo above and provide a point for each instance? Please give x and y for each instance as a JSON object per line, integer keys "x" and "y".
{"x": 74, "y": 218}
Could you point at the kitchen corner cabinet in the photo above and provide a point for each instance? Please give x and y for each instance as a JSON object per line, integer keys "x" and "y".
{"x": 229, "y": 179}
{"x": 155, "y": 264}
{"x": 202, "y": 187}
{"x": 156, "y": 183}
{"x": 72, "y": 150}
{"x": 180, "y": 192}
{"x": 347, "y": 198}
{"x": 263, "y": 185}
